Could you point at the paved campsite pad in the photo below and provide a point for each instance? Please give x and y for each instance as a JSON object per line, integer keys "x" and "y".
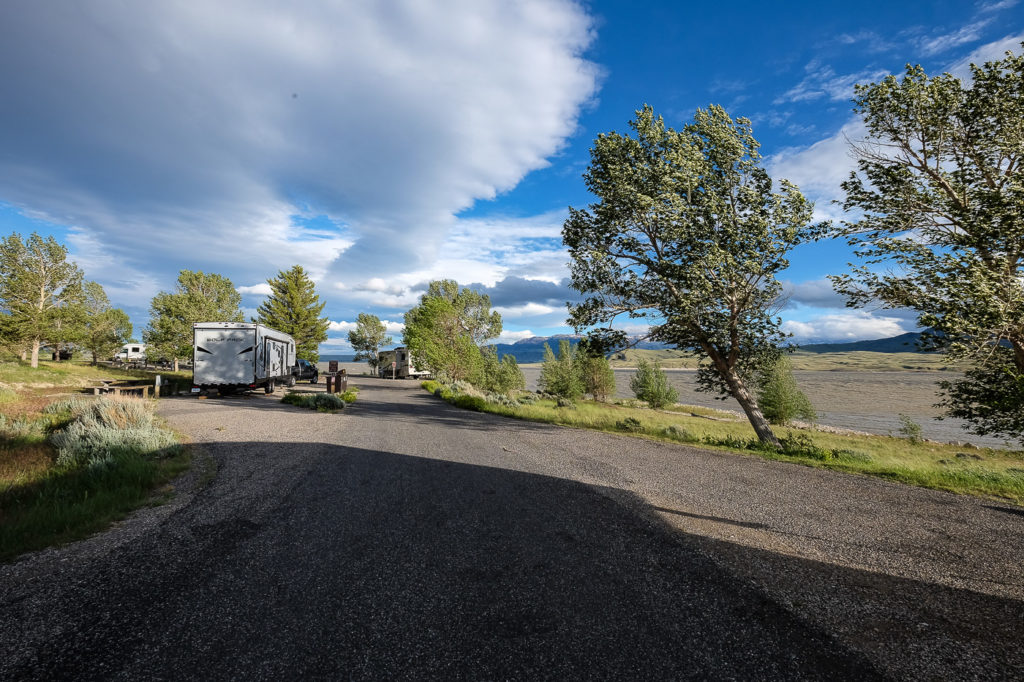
{"x": 406, "y": 538}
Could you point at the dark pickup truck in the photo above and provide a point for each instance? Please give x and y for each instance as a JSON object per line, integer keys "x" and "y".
{"x": 304, "y": 369}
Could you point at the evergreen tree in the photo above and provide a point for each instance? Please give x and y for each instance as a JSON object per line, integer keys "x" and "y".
{"x": 294, "y": 307}
{"x": 40, "y": 290}
{"x": 367, "y": 339}
{"x": 198, "y": 298}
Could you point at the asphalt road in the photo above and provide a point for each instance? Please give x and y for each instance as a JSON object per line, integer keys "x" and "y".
{"x": 406, "y": 539}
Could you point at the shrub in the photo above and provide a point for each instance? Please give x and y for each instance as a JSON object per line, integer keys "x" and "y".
{"x": 561, "y": 376}
{"x": 500, "y": 377}
{"x": 562, "y": 401}
{"x": 349, "y": 396}
{"x": 630, "y": 424}
{"x": 598, "y": 376}
{"x": 780, "y": 399}
{"x": 321, "y": 402}
{"x": 469, "y": 402}
{"x": 102, "y": 430}
{"x": 650, "y": 384}
{"x": 910, "y": 429}
{"x": 802, "y": 445}
{"x": 528, "y": 398}
{"x": 679, "y": 433}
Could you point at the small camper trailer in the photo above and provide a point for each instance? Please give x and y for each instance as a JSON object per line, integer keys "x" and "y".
{"x": 398, "y": 364}
{"x": 240, "y": 356}
{"x": 131, "y": 352}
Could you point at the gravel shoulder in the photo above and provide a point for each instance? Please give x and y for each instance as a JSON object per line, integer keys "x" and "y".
{"x": 404, "y": 538}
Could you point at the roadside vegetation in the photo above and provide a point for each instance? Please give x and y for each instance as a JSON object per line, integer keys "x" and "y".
{"x": 69, "y": 466}
{"x": 322, "y": 402}
{"x": 866, "y": 361}
{"x": 902, "y": 457}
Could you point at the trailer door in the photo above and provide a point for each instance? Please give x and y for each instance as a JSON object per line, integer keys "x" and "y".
{"x": 275, "y": 356}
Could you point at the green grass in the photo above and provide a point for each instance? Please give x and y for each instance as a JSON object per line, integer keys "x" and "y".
{"x": 855, "y": 360}
{"x": 959, "y": 469}
{"x": 43, "y": 503}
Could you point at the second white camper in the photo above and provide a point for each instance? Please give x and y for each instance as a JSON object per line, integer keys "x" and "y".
{"x": 241, "y": 356}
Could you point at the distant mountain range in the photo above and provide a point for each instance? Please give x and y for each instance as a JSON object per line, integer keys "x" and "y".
{"x": 532, "y": 349}
{"x": 904, "y": 343}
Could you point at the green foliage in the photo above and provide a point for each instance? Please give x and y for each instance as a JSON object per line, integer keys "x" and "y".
{"x": 499, "y": 377}
{"x": 445, "y": 330}
{"x": 676, "y": 432}
{"x": 350, "y": 396}
{"x": 469, "y": 402}
{"x": 630, "y": 424}
{"x": 106, "y": 328}
{"x": 294, "y": 308}
{"x": 321, "y": 402}
{"x": 40, "y": 292}
{"x": 689, "y": 231}
{"x": 368, "y": 337}
{"x": 561, "y": 376}
{"x": 910, "y": 429}
{"x": 595, "y": 372}
{"x": 779, "y": 397}
{"x": 198, "y": 297}
{"x": 650, "y": 384}
{"x": 103, "y": 430}
{"x": 941, "y": 195}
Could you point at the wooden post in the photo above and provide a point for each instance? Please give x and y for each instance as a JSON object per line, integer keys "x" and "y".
{"x": 156, "y": 386}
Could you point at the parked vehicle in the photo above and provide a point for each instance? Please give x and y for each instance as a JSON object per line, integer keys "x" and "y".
{"x": 131, "y": 352}
{"x": 398, "y": 364}
{"x": 241, "y": 356}
{"x": 306, "y": 370}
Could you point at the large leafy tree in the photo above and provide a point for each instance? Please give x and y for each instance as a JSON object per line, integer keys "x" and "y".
{"x": 445, "y": 331}
{"x": 106, "y": 328}
{"x": 294, "y": 308}
{"x": 939, "y": 195}
{"x": 689, "y": 236}
{"x": 198, "y": 297}
{"x": 368, "y": 337}
{"x": 40, "y": 290}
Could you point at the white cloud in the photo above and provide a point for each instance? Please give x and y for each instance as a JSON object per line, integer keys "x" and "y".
{"x": 261, "y": 289}
{"x": 852, "y": 326}
{"x": 344, "y": 327}
{"x": 508, "y": 336}
{"x": 199, "y": 131}
{"x": 528, "y": 310}
{"x": 822, "y": 81}
{"x": 962, "y": 36}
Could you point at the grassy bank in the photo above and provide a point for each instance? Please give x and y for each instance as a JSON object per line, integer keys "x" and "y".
{"x": 70, "y": 468}
{"x": 960, "y": 469}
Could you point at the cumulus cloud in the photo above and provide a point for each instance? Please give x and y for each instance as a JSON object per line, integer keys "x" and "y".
{"x": 508, "y": 336}
{"x": 344, "y": 327}
{"x": 817, "y": 293}
{"x": 852, "y": 326}
{"x": 212, "y": 133}
{"x": 261, "y": 289}
{"x": 527, "y": 310}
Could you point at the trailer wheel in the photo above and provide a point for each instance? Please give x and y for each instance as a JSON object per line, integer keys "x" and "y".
{"x": 316, "y": 378}
{"x": 269, "y": 388}
{"x": 291, "y": 381}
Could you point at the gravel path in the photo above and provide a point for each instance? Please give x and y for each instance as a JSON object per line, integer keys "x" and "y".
{"x": 404, "y": 538}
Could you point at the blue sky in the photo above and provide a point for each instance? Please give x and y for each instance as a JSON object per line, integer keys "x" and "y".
{"x": 382, "y": 145}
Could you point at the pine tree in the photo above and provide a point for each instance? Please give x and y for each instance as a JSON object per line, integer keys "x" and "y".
{"x": 294, "y": 308}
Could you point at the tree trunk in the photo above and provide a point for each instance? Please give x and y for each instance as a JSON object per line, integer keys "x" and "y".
{"x": 761, "y": 426}
{"x": 24, "y": 355}
{"x": 35, "y": 352}
{"x": 739, "y": 391}
{"x": 175, "y": 364}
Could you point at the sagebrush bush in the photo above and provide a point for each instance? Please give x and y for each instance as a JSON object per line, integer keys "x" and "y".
{"x": 680, "y": 434}
{"x": 321, "y": 402}
{"x": 102, "y": 430}
{"x": 563, "y": 401}
{"x": 12, "y": 428}
{"x": 629, "y": 424}
{"x": 470, "y": 402}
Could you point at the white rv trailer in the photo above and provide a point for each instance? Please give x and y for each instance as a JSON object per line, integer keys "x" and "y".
{"x": 240, "y": 356}
{"x": 398, "y": 364}
{"x": 131, "y": 351}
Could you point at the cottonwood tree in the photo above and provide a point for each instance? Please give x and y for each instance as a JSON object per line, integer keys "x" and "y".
{"x": 367, "y": 339}
{"x": 198, "y": 297}
{"x": 940, "y": 193}
{"x": 106, "y": 328}
{"x": 688, "y": 236}
{"x": 444, "y": 332}
{"x": 40, "y": 290}
{"x": 294, "y": 308}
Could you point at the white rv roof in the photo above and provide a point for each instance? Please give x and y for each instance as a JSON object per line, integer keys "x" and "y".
{"x": 226, "y": 325}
